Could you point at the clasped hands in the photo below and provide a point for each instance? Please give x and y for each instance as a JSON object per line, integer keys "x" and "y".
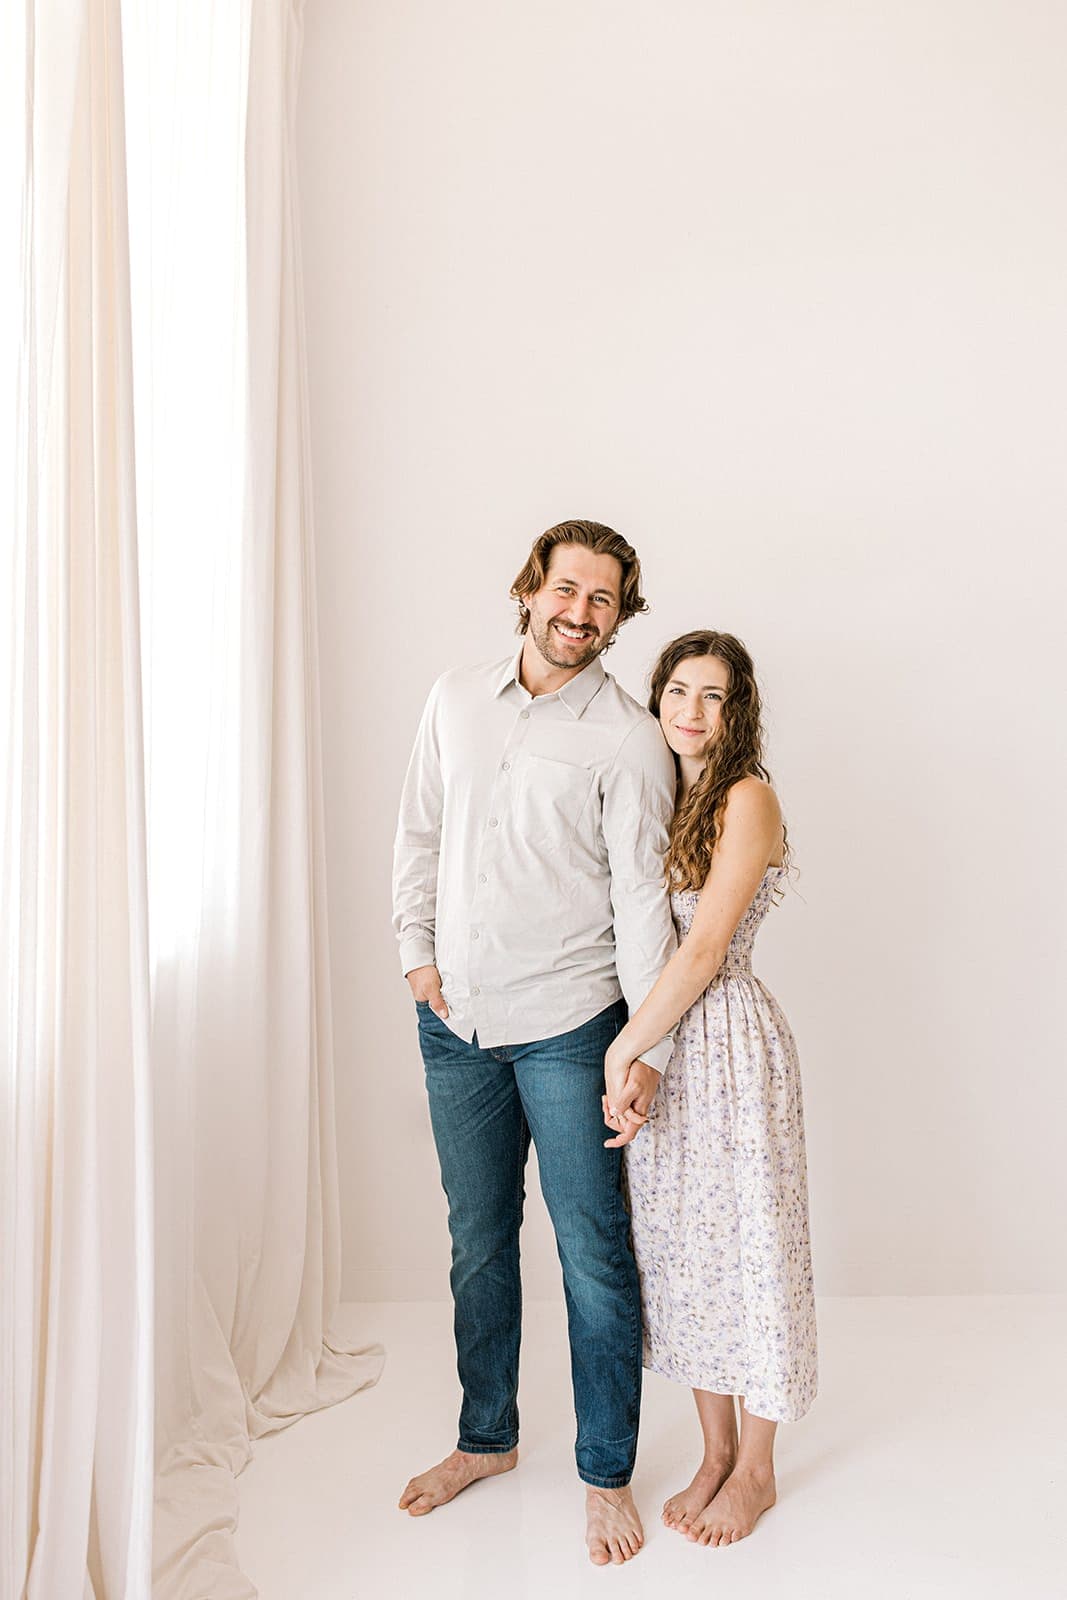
{"x": 630, "y": 1088}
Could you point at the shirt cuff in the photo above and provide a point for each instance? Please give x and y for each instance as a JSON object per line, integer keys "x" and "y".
{"x": 659, "y": 1055}
{"x": 416, "y": 953}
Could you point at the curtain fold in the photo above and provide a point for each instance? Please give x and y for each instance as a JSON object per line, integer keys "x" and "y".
{"x": 76, "y": 1288}
{"x": 243, "y": 1007}
{"x": 168, "y": 1173}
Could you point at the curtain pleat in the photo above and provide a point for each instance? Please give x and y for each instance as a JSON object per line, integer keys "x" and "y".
{"x": 170, "y": 1248}
{"x": 77, "y": 1303}
{"x": 262, "y": 1255}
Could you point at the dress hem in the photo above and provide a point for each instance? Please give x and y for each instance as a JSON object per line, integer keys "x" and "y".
{"x": 718, "y": 1386}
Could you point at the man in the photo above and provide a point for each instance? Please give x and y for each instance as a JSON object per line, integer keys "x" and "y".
{"x": 531, "y": 909}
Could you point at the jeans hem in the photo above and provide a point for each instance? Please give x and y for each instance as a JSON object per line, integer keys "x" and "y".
{"x": 617, "y": 1482}
{"x": 487, "y": 1449}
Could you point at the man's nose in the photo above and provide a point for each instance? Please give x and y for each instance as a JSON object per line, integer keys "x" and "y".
{"x": 579, "y": 609}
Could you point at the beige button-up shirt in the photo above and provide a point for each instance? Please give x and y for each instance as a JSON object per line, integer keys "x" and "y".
{"x": 529, "y": 853}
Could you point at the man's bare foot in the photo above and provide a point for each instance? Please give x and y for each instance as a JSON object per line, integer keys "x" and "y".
{"x": 681, "y": 1508}
{"x": 613, "y": 1530}
{"x": 443, "y": 1482}
{"x": 747, "y": 1493}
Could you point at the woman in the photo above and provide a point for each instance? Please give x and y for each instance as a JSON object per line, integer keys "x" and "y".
{"x": 717, "y": 1181}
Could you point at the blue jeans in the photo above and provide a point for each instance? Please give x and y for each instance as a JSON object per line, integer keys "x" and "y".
{"x": 484, "y": 1106}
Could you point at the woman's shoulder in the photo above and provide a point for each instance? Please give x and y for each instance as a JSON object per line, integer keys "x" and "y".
{"x": 752, "y": 817}
{"x": 752, "y": 797}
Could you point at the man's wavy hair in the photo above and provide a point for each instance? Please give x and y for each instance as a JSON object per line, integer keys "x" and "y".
{"x": 736, "y": 753}
{"x": 602, "y": 541}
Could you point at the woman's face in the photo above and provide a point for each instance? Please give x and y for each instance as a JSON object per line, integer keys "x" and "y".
{"x": 691, "y": 705}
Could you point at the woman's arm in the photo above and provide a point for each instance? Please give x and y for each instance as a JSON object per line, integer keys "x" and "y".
{"x": 751, "y": 835}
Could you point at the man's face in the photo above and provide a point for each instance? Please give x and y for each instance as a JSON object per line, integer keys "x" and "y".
{"x": 574, "y": 613}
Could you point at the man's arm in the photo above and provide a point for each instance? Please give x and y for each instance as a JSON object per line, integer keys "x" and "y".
{"x": 416, "y": 851}
{"x": 638, "y": 803}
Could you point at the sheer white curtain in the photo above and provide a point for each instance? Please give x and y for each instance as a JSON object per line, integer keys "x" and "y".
{"x": 75, "y": 1241}
{"x": 248, "y": 1222}
{"x": 164, "y": 911}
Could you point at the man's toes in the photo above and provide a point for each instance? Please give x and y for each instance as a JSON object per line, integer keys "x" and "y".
{"x": 599, "y": 1553}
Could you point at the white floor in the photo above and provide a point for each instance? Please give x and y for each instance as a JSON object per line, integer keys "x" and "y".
{"x": 933, "y": 1464}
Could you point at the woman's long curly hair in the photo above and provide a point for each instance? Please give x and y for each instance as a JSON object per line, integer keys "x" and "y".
{"x": 736, "y": 753}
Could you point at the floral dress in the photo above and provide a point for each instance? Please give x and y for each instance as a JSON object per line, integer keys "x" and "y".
{"x": 718, "y": 1194}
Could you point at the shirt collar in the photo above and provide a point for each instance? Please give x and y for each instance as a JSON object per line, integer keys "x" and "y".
{"x": 575, "y": 694}
{"x": 509, "y": 674}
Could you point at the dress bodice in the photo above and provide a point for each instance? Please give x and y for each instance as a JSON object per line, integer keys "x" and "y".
{"x": 738, "y": 961}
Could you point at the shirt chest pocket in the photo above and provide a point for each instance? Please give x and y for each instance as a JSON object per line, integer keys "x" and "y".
{"x": 551, "y": 799}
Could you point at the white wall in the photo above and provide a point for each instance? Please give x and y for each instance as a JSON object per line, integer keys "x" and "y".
{"x": 777, "y": 289}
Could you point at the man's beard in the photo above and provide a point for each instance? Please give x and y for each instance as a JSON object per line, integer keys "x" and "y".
{"x": 545, "y": 639}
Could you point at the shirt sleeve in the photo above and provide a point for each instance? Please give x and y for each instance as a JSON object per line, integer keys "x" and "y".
{"x": 638, "y": 803}
{"x": 416, "y": 849}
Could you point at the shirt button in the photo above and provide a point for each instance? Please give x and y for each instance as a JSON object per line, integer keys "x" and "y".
{"x": 525, "y": 716}
{"x": 482, "y": 878}
{"x": 492, "y": 822}
{"x": 475, "y": 934}
{"x": 476, "y": 990}
{"x": 507, "y": 766}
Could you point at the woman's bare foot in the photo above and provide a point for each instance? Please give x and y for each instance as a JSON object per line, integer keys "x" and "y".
{"x": 681, "y": 1508}
{"x": 443, "y": 1482}
{"x": 747, "y": 1493}
{"x": 613, "y": 1530}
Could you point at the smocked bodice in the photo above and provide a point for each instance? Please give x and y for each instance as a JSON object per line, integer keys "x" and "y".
{"x": 738, "y": 962}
